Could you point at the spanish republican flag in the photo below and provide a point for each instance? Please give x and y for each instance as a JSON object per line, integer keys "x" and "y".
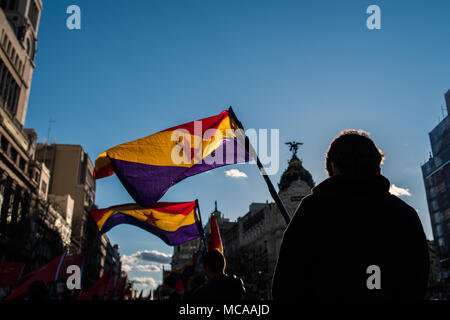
{"x": 148, "y": 167}
{"x": 214, "y": 239}
{"x": 174, "y": 223}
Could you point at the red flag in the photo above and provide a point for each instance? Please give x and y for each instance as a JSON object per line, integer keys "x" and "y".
{"x": 76, "y": 259}
{"x": 214, "y": 240}
{"x": 10, "y": 272}
{"x": 47, "y": 273}
{"x": 120, "y": 287}
{"x": 98, "y": 288}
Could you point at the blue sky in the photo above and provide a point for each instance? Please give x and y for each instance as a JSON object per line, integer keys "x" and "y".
{"x": 308, "y": 68}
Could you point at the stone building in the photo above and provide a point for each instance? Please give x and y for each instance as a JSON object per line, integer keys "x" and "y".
{"x": 183, "y": 253}
{"x": 71, "y": 173}
{"x": 32, "y": 229}
{"x": 436, "y": 177}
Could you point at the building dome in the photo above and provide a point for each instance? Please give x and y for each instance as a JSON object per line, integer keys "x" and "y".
{"x": 295, "y": 171}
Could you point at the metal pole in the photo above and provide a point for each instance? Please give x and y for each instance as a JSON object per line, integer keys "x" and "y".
{"x": 272, "y": 190}
{"x": 199, "y": 217}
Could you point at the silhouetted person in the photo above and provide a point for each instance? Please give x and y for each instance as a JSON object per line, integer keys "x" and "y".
{"x": 347, "y": 227}
{"x": 219, "y": 286}
{"x": 196, "y": 282}
{"x": 170, "y": 284}
{"x": 38, "y": 291}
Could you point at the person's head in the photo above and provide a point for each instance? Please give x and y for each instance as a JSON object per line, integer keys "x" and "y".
{"x": 37, "y": 291}
{"x": 213, "y": 263}
{"x": 170, "y": 283}
{"x": 353, "y": 152}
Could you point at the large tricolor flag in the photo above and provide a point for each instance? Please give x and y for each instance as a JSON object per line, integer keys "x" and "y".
{"x": 173, "y": 222}
{"x": 148, "y": 167}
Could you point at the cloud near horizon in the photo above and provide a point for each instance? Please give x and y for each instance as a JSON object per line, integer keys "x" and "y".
{"x": 157, "y": 260}
{"x": 145, "y": 282}
{"x": 398, "y": 191}
{"x": 235, "y": 173}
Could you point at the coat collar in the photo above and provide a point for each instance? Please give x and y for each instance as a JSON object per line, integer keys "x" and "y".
{"x": 357, "y": 184}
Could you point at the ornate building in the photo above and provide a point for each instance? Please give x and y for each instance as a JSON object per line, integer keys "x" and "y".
{"x": 45, "y": 191}
{"x": 32, "y": 229}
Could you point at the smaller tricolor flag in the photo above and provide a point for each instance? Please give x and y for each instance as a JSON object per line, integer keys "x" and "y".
{"x": 214, "y": 239}
{"x": 173, "y": 222}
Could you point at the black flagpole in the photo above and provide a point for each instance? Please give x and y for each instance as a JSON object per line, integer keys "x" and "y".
{"x": 199, "y": 217}
{"x": 272, "y": 190}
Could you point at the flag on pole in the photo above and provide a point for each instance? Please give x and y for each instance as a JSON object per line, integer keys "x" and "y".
{"x": 47, "y": 273}
{"x": 72, "y": 260}
{"x": 173, "y": 222}
{"x": 148, "y": 167}
{"x": 214, "y": 239}
{"x": 120, "y": 287}
{"x": 98, "y": 289}
{"x": 10, "y": 273}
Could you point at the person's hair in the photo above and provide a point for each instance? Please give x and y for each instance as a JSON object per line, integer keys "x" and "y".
{"x": 215, "y": 261}
{"x": 171, "y": 282}
{"x": 353, "y": 152}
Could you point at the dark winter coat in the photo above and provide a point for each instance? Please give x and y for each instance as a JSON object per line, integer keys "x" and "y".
{"x": 346, "y": 225}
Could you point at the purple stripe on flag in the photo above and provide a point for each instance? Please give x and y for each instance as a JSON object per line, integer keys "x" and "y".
{"x": 172, "y": 238}
{"x": 148, "y": 183}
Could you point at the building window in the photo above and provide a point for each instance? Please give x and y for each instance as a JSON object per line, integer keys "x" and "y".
{"x": 439, "y": 231}
{"x": 435, "y": 205}
{"x": 22, "y": 164}
{"x": 437, "y": 217}
{"x": 13, "y": 154}
{"x": 33, "y": 14}
{"x": 4, "y": 143}
{"x": 28, "y": 46}
{"x": 13, "y": 5}
{"x": 43, "y": 187}
{"x": 442, "y": 245}
{"x": 9, "y": 89}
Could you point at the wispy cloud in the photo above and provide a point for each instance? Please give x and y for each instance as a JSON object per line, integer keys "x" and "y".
{"x": 157, "y": 259}
{"x": 398, "y": 191}
{"x": 235, "y": 173}
{"x": 145, "y": 282}
{"x": 147, "y": 268}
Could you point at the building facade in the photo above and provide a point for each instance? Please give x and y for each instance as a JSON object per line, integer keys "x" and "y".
{"x": 71, "y": 174}
{"x": 32, "y": 229}
{"x": 436, "y": 176}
